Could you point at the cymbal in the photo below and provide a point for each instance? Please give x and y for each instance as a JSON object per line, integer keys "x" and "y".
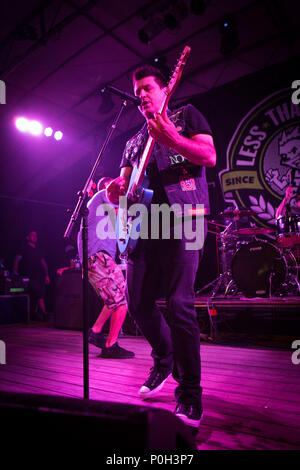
{"x": 237, "y": 213}
{"x": 213, "y": 222}
{"x": 253, "y": 231}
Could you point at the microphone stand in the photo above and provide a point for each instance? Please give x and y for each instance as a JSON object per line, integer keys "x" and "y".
{"x": 82, "y": 210}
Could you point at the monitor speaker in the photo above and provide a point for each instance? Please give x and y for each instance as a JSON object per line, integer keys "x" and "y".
{"x": 69, "y": 424}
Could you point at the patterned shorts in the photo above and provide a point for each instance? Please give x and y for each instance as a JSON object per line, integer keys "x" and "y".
{"x": 106, "y": 277}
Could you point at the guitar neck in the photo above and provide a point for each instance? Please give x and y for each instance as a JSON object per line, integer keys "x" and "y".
{"x": 169, "y": 89}
{"x": 140, "y": 174}
{"x": 144, "y": 162}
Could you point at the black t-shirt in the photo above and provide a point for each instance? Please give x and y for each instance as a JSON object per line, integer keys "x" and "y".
{"x": 188, "y": 121}
{"x": 30, "y": 264}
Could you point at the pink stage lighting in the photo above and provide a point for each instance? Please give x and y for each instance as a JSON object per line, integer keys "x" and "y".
{"x": 58, "y": 135}
{"x": 48, "y": 131}
{"x": 35, "y": 128}
{"x": 22, "y": 124}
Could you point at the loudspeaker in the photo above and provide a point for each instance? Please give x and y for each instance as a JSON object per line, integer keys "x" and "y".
{"x": 68, "y": 301}
{"x": 71, "y": 425}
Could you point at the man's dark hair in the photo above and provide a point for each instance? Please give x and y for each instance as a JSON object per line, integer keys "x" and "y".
{"x": 150, "y": 71}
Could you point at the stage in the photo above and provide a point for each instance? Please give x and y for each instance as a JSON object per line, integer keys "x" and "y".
{"x": 250, "y": 394}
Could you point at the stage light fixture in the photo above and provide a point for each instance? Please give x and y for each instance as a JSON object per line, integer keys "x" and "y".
{"x": 152, "y": 29}
{"x": 171, "y": 21}
{"x": 230, "y": 38}
{"x": 48, "y": 131}
{"x": 58, "y": 135}
{"x": 177, "y": 13}
{"x": 22, "y": 124}
{"x": 167, "y": 14}
{"x": 35, "y": 128}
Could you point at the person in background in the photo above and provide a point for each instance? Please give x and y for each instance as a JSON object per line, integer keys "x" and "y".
{"x": 30, "y": 262}
{"x": 291, "y": 195}
{"x": 106, "y": 277}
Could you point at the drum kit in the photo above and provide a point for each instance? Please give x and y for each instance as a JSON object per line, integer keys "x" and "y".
{"x": 255, "y": 261}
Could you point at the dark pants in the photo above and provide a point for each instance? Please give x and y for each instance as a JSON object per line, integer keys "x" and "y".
{"x": 174, "y": 338}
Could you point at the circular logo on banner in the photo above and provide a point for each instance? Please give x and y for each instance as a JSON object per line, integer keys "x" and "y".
{"x": 263, "y": 157}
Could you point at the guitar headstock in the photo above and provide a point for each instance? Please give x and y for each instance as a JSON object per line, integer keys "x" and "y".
{"x": 176, "y": 75}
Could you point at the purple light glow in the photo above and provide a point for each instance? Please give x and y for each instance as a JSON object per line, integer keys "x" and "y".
{"x": 22, "y": 124}
{"x": 58, "y": 135}
{"x": 48, "y": 131}
{"x": 35, "y": 128}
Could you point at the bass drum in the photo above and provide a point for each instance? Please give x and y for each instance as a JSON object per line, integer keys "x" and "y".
{"x": 258, "y": 268}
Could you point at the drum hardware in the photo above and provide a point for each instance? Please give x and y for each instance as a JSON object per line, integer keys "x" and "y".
{"x": 260, "y": 269}
{"x": 253, "y": 231}
{"x": 288, "y": 231}
{"x": 229, "y": 238}
{"x": 237, "y": 213}
{"x": 227, "y": 246}
{"x": 288, "y": 240}
{"x": 224, "y": 282}
{"x": 251, "y": 266}
{"x": 292, "y": 282}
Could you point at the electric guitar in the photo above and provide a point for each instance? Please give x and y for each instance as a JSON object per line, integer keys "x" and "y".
{"x": 128, "y": 224}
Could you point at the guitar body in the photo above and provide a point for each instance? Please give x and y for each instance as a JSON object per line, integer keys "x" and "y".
{"x": 128, "y": 227}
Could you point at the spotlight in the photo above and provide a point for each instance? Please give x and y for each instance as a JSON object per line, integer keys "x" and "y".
{"x": 176, "y": 14}
{"x": 35, "y": 128}
{"x": 58, "y": 135}
{"x": 48, "y": 131}
{"x": 22, "y": 124}
{"x": 152, "y": 29}
{"x": 171, "y": 21}
{"x": 230, "y": 39}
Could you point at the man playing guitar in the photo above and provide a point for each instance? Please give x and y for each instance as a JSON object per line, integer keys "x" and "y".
{"x": 176, "y": 171}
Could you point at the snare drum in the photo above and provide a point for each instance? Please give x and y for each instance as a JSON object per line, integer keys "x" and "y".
{"x": 288, "y": 231}
{"x": 258, "y": 268}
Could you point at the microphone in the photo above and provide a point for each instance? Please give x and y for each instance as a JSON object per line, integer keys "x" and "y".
{"x": 126, "y": 96}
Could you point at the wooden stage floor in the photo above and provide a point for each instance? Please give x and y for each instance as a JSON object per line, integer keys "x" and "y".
{"x": 251, "y": 396}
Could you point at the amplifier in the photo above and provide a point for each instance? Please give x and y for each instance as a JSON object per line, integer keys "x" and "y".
{"x": 68, "y": 301}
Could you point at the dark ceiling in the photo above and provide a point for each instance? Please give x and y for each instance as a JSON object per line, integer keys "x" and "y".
{"x": 75, "y": 47}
